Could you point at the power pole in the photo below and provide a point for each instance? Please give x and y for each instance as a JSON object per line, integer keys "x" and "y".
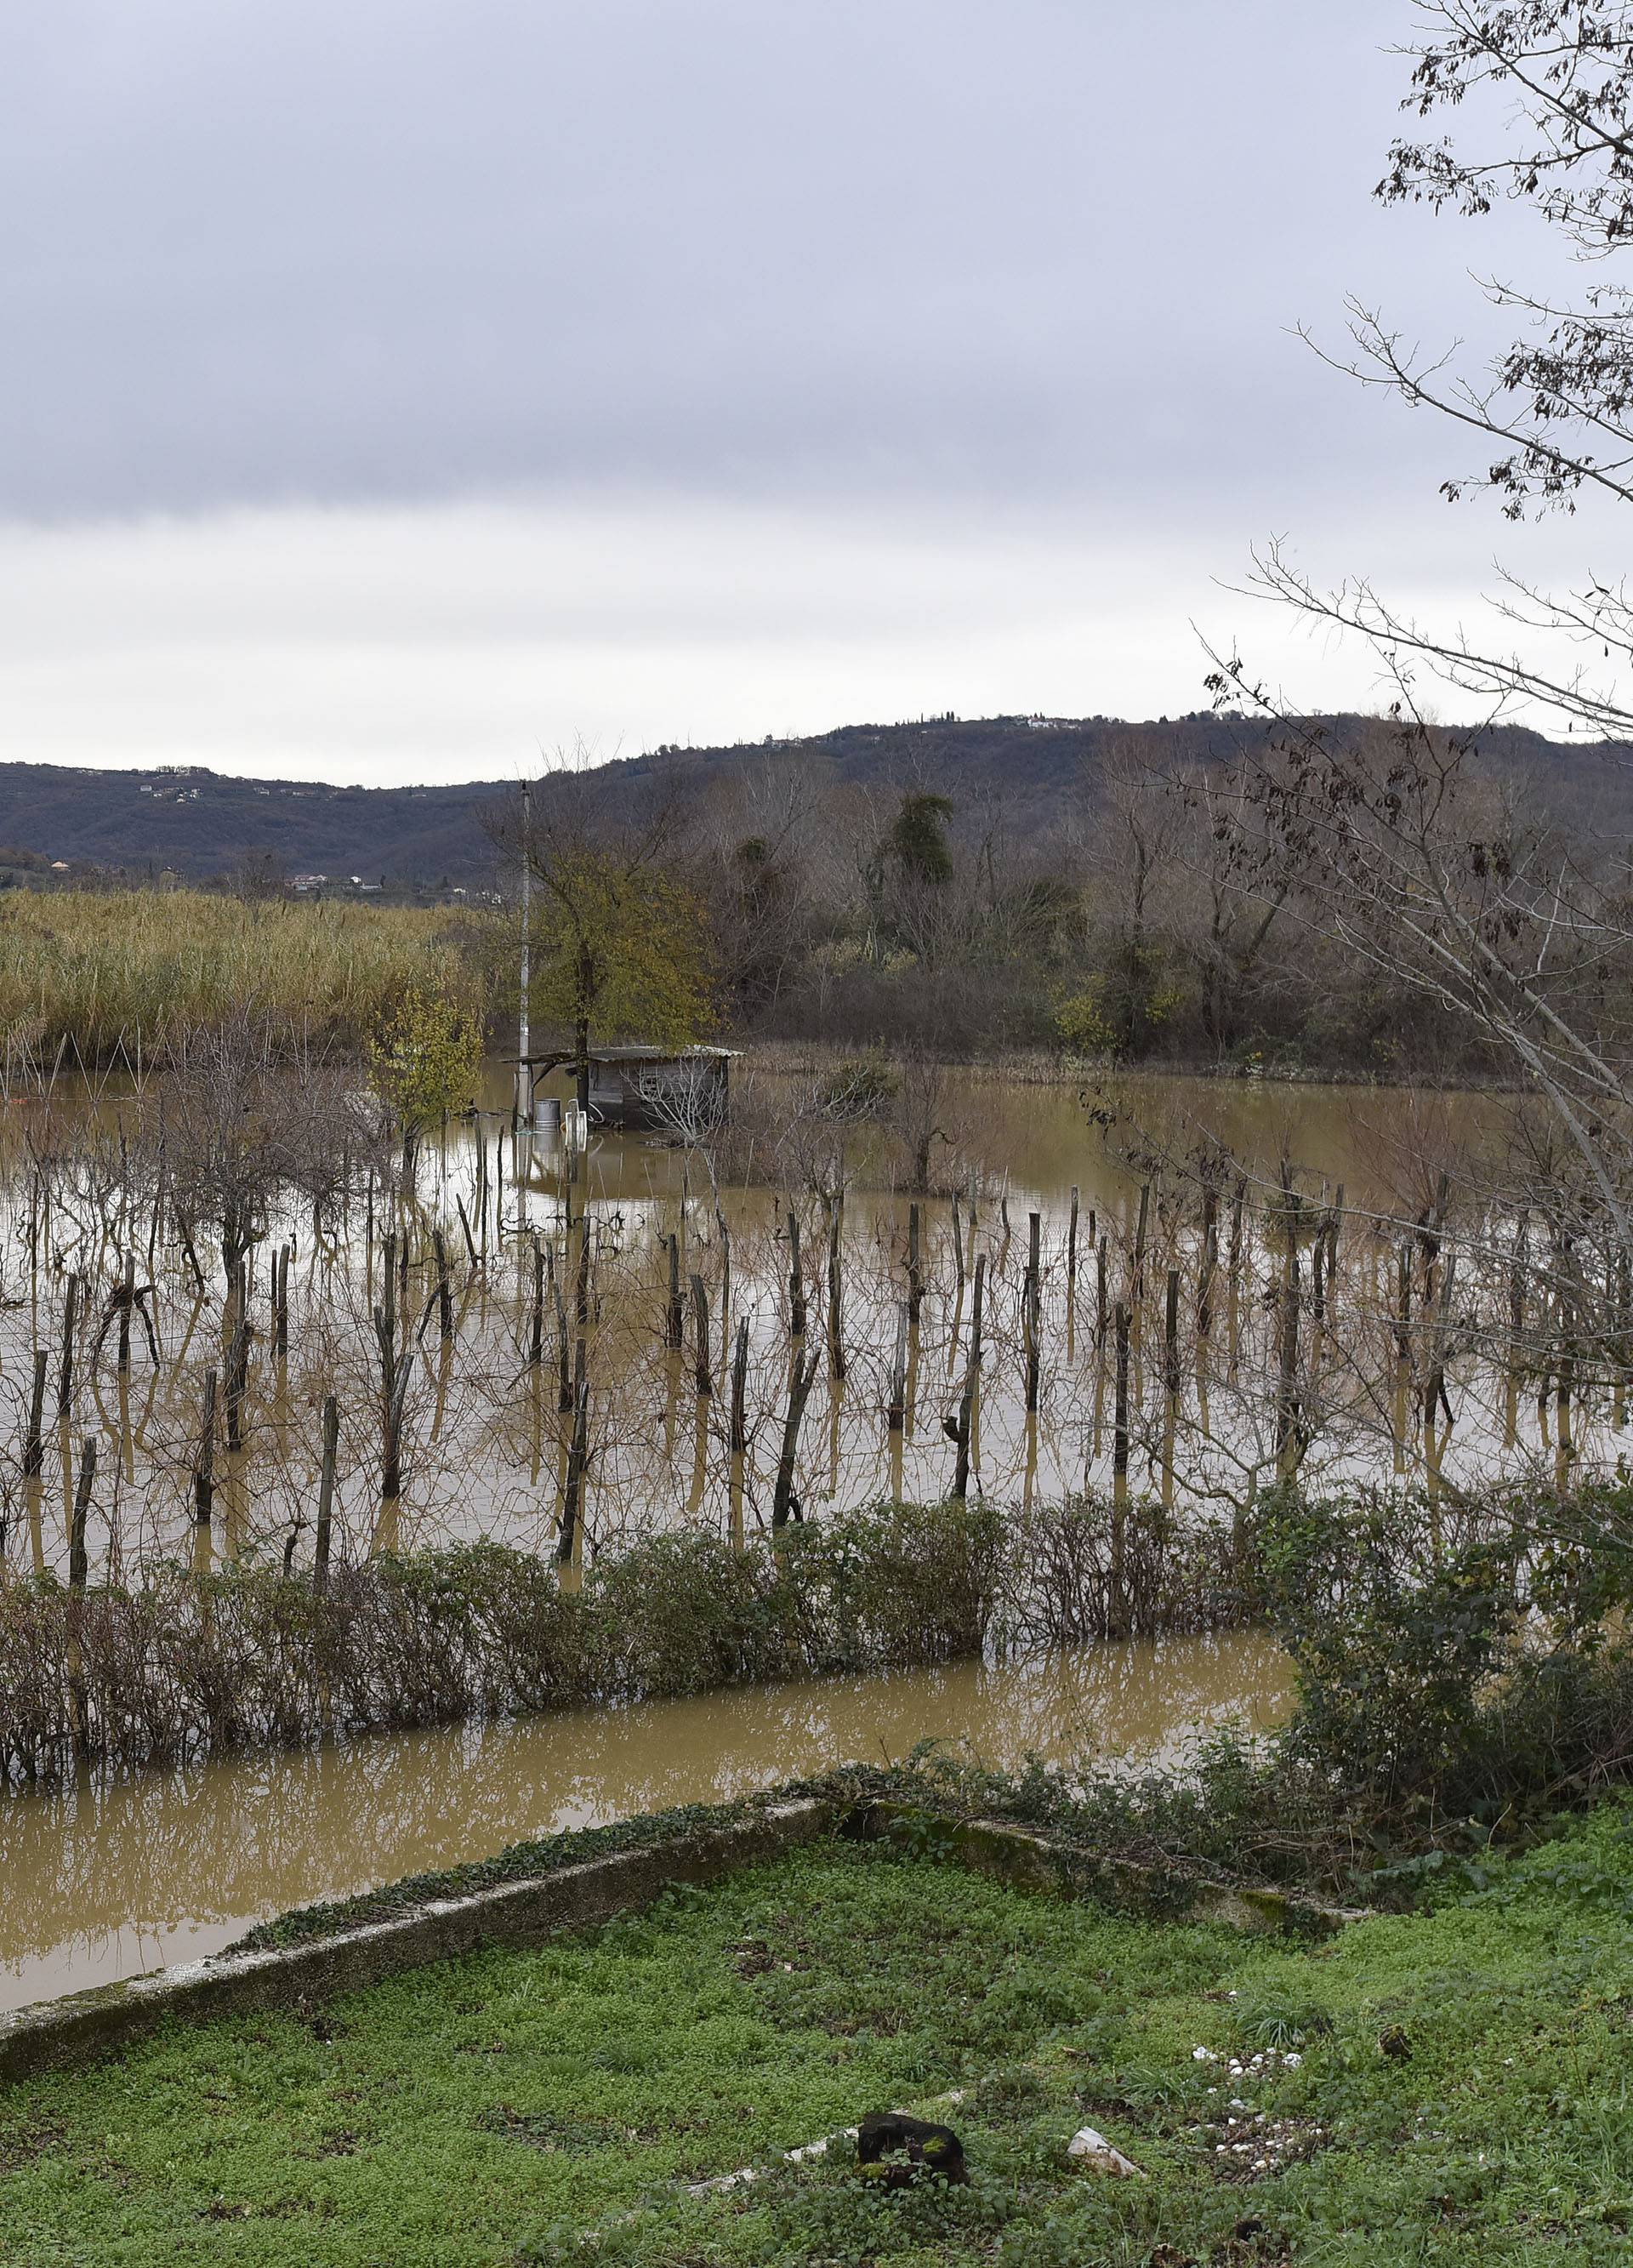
{"x": 523, "y": 1076}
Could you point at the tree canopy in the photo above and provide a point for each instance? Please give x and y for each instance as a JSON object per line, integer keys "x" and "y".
{"x": 621, "y": 949}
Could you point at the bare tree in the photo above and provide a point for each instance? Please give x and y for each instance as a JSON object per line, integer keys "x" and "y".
{"x": 1551, "y": 82}
{"x": 1226, "y": 920}
{"x": 1418, "y": 862}
{"x": 751, "y": 841}
{"x": 245, "y": 1116}
{"x": 1133, "y": 864}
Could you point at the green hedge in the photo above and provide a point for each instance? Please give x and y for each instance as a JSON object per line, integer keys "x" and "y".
{"x": 193, "y": 1665}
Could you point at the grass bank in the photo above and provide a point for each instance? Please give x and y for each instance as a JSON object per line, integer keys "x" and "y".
{"x": 1445, "y": 2087}
{"x": 90, "y": 975}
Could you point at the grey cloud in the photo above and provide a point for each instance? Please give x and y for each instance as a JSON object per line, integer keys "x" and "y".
{"x": 397, "y": 249}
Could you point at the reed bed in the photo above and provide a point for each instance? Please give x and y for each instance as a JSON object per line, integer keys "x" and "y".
{"x": 94, "y": 976}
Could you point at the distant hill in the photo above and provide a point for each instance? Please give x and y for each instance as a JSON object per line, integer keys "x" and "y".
{"x": 198, "y": 823}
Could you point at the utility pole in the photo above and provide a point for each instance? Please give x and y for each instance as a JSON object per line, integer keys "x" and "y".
{"x": 523, "y": 1076}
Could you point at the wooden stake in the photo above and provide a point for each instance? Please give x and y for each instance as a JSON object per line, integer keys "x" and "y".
{"x": 1209, "y": 1264}
{"x": 1120, "y": 1411}
{"x": 740, "y": 1391}
{"x": 204, "y": 1469}
{"x": 563, "y": 1351}
{"x": 33, "y": 1443}
{"x": 238, "y": 1363}
{"x": 969, "y": 1401}
{"x": 470, "y": 1241}
{"x": 1288, "y": 1443}
{"x": 784, "y": 1504}
{"x": 700, "y": 1327}
{"x": 127, "y": 1301}
{"x": 535, "y": 1349}
{"x": 326, "y": 1492}
{"x": 739, "y": 1437}
{"x": 569, "y": 1544}
{"x": 444, "y": 1293}
{"x": 897, "y": 1415}
{"x": 1032, "y": 1301}
{"x": 835, "y": 1289}
{"x": 796, "y": 1280}
{"x": 65, "y": 1371}
{"x": 77, "y": 1559}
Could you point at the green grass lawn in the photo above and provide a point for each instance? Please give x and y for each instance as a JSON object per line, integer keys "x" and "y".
{"x": 1453, "y": 2087}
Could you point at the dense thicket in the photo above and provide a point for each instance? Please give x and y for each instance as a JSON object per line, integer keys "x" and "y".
{"x": 927, "y": 909}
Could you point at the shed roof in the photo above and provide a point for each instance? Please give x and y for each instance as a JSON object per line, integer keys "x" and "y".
{"x": 633, "y": 1052}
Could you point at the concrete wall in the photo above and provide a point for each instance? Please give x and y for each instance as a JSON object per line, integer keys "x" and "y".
{"x": 85, "y": 2026}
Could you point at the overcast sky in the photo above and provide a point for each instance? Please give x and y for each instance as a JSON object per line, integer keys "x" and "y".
{"x": 395, "y": 388}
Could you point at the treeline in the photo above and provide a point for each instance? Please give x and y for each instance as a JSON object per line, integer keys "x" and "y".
{"x": 1159, "y": 894}
{"x": 1158, "y": 917}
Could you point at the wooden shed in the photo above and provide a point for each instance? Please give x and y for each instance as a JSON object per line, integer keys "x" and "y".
{"x": 685, "y": 1090}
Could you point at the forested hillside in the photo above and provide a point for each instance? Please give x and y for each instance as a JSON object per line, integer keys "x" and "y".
{"x": 201, "y": 823}
{"x": 1037, "y": 774}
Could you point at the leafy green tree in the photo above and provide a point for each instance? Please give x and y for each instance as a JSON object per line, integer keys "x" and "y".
{"x": 918, "y": 840}
{"x": 425, "y": 1059}
{"x": 620, "y": 949}
{"x": 909, "y": 866}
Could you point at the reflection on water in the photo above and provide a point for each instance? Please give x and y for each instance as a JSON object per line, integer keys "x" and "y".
{"x": 107, "y": 1881}
{"x": 614, "y": 1284}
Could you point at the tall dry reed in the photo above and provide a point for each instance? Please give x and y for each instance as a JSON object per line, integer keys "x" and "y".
{"x": 99, "y": 973}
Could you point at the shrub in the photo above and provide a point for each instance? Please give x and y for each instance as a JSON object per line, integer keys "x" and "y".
{"x": 192, "y": 1665}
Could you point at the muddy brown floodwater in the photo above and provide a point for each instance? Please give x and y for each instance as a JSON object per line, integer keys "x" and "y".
{"x": 546, "y": 1258}
{"x": 534, "y": 1282}
{"x": 103, "y": 1882}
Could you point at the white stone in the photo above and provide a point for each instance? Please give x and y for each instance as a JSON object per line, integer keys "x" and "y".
{"x": 1091, "y": 2148}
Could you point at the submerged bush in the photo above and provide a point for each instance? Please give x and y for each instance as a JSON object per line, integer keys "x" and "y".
{"x": 191, "y": 1665}
{"x": 1465, "y": 1676}
{"x": 1467, "y": 1661}
{"x": 1464, "y": 1667}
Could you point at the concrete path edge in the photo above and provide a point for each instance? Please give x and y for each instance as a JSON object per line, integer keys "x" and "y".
{"x": 85, "y": 2027}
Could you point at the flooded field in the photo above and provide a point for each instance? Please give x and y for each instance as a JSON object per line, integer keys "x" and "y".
{"x": 109, "y": 1880}
{"x": 1179, "y": 1286}
{"x": 978, "y": 1284}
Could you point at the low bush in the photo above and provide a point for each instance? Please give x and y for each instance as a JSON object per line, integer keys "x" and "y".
{"x": 1465, "y": 1680}
{"x": 190, "y": 1665}
{"x": 1464, "y": 1669}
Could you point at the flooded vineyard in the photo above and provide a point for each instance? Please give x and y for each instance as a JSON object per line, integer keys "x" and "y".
{"x": 1164, "y": 1287}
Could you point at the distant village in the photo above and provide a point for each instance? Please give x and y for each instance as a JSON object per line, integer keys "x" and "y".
{"x": 259, "y": 874}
